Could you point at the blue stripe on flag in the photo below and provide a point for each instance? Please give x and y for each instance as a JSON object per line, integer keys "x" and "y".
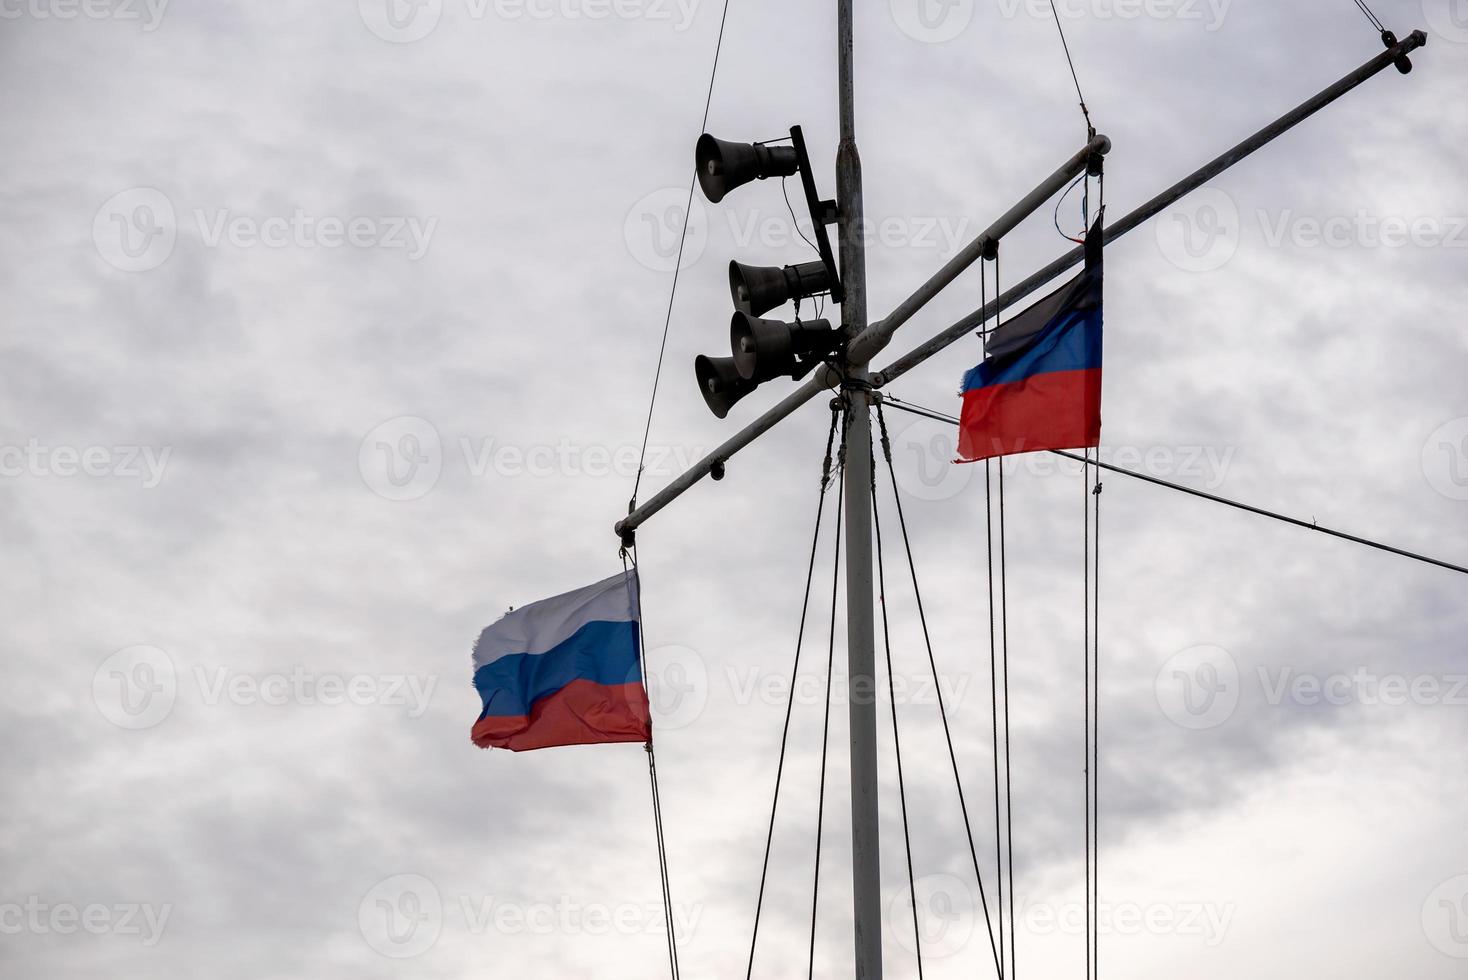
{"x": 1071, "y": 342}
{"x": 601, "y": 652}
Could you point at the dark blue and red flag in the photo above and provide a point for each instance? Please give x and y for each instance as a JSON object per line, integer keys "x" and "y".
{"x": 1040, "y": 385}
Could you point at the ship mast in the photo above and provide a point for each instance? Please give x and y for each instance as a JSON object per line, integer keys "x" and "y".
{"x": 866, "y": 863}
{"x": 860, "y": 386}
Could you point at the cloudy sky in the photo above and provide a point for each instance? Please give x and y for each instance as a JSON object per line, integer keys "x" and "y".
{"x": 328, "y": 334}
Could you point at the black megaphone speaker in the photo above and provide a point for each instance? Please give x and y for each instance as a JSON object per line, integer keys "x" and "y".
{"x": 723, "y": 166}
{"x": 766, "y": 349}
{"x": 758, "y": 289}
{"x": 720, "y": 383}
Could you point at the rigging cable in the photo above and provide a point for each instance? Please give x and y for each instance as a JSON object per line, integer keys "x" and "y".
{"x": 1091, "y": 633}
{"x": 993, "y": 662}
{"x": 1004, "y": 669}
{"x": 917, "y": 939}
{"x": 1091, "y": 132}
{"x": 1096, "y": 723}
{"x": 652, "y": 775}
{"x": 1090, "y": 129}
{"x": 830, "y": 670}
{"x": 994, "y": 710}
{"x": 1008, "y": 767}
{"x": 1214, "y": 498}
{"x": 1375, "y": 21}
{"x": 994, "y": 705}
{"x": 677, "y": 268}
{"x": 657, "y": 810}
{"x": 933, "y": 665}
{"x": 795, "y": 223}
{"x": 1084, "y": 208}
{"x": 794, "y": 677}
{"x": 1086, "y": 684}
{"x": 1093, "y": 767}
{"x": 1091, "y": 666}
{"x": 993, "y": 654}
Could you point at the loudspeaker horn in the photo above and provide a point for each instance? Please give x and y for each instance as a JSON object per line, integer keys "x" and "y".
{"x": 758, "y": 289}
{"x": 723, "y": 166}
{"x": 766, "y": 349}
{"x": 720, "y": 383}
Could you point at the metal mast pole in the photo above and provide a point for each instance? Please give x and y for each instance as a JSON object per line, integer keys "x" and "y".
{"x": 866, "y": 864}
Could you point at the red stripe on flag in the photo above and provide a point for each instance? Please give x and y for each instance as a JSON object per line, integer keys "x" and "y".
{"x": 1056, "y": 410}
{"x": 581, "y": 713}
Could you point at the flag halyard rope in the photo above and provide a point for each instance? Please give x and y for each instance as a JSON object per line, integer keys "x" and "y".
{"x": 1086, "y": 685}
{"x": 665, "y": 882}
{"x": 1096, "y": 725}
{"x": 1008, "y": 765}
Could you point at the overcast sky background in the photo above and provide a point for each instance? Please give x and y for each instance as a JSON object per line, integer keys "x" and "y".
{"x": 328, "y": 335}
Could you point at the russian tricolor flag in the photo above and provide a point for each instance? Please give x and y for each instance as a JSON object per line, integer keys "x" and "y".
{"x": 564, "y": 671}
{"x": 1040, "y": 386}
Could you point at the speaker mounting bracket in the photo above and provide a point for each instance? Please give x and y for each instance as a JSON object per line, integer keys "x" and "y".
{"x": 822, "y": 213}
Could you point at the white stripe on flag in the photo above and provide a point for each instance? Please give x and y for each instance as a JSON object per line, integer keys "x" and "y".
{"x": 544, "y": 625}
